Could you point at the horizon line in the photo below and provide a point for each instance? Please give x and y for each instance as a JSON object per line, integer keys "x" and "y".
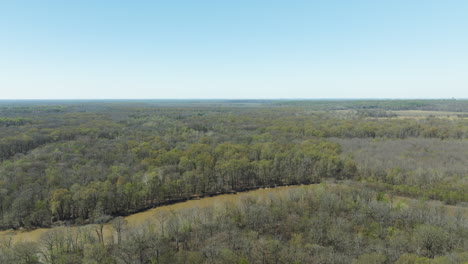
{"x": 234, "y": 99}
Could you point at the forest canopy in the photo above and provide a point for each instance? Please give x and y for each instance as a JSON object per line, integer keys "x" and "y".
{"x": 81, "y": 162}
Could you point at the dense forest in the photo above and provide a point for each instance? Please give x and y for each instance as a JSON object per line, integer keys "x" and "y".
{"x": 92, "y": 162}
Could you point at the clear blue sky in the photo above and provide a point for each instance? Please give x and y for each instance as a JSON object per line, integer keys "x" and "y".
{"x": 233, "y": 49}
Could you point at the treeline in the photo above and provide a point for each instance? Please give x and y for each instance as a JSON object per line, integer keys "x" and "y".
{"x": 327, "y": 224}
{"x": 451, "y": 105}
{"x": 4, "y": 121}
{"x": 85, "y": 179}
{"x": 363, "y": 128}
{"x": 417, "y": 167}
{"x": 49, "y": 128}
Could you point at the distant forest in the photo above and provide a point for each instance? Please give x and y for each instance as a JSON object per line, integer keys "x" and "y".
{"x": 83, "y": 162}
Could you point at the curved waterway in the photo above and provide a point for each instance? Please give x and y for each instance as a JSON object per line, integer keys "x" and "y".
{"x": 138, "y": 219}
{"x": 153, "y": 214}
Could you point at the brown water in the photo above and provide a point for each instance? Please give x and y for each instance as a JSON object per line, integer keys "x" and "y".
{"x": 138, "y": 219}
{"x": 152, "y": 215}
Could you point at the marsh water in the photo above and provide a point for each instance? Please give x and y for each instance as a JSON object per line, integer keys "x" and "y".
{"x": 153, "y": 214}
{"x": 138, "y": 219}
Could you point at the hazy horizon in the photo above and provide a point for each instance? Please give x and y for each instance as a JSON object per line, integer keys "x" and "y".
{"x": 294, "y": 50}
{"x": 231, "y": 99}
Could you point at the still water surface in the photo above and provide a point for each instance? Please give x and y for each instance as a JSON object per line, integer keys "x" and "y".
{"x": 138, "y": 219}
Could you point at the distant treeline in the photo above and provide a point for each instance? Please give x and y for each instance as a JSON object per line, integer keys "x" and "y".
{"x": 19, "y": 121}
{"x": 451, "y": 105}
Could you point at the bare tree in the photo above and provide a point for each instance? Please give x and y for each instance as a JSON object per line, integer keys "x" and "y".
{"x": 119, "y": 224}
